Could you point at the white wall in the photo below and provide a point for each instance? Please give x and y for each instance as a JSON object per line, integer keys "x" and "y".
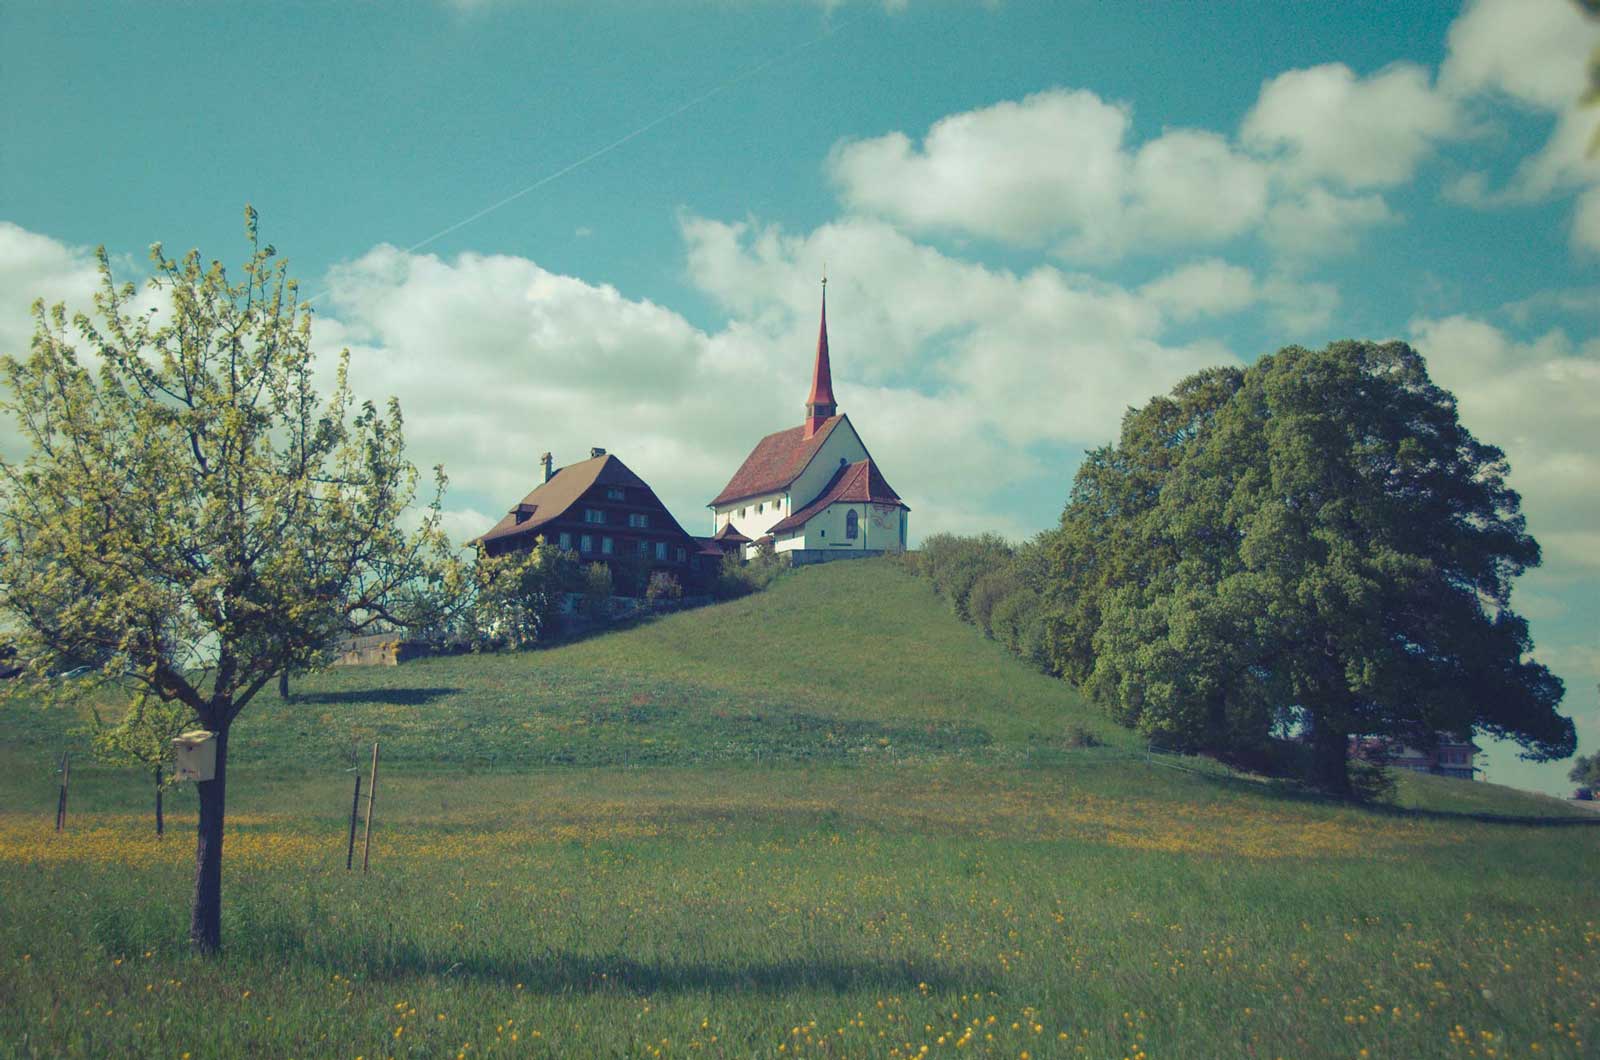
{"x": 826, "y": 530}
{"x": 843, "y": 443}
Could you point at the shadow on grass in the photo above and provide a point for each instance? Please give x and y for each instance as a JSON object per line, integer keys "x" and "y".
{"x": 1292, "y": 791}
{"x": 569, "y": 973}
{"x": 406, "y": 697}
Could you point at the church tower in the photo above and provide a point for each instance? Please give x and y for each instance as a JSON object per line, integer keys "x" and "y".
{"x": 820, "y": 405}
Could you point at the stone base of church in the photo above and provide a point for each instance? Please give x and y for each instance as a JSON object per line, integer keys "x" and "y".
{"x": 805, "y": 557}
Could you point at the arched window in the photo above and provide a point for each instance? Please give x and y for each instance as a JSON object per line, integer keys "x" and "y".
{"x": 852, "y": 524}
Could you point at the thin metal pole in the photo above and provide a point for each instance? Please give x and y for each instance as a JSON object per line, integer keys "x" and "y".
{"x": 372, "y": 794}
{"x": 61, "y": 801}
{"x": 350, "y": 848}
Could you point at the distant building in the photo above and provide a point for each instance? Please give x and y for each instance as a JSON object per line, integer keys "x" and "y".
{"x": 1450, "y": 757}
{"x": 605, "y": 513}
{"x": 814, "y": 490}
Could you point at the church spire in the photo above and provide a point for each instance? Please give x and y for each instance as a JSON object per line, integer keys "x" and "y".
{"x": 820, "y": 404}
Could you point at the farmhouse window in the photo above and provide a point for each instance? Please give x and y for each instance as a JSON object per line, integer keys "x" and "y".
{"x": 639, "y": 519}
{"x": 566, "y": 541}
{"x": 852, "y": 524}
{"x": 644, "y": 548}
{"x": 586, "y": 543}
{"x": 678, "y": 554}
{"x": 615, "y": 493}
{"x": 605, "y": 545}
{"x": 594, "y": 515}
{"x": 661, "y": 550}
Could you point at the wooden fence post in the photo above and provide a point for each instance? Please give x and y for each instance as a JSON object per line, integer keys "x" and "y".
{"x": 372, "y": 793}
{"x": 355, "y": 807}
{"x": 61, "y": 800}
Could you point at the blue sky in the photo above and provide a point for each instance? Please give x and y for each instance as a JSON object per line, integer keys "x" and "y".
{"x": 1033, "y": 215}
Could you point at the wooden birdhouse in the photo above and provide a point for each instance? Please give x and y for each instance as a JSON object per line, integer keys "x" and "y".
{"x": 195, "y": 755}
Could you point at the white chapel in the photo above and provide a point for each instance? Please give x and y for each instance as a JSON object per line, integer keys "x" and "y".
{"x": 813, "y": 489}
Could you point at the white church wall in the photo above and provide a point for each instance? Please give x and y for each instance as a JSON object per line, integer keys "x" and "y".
{"x": 760, "y": 514}
{"x": 843, "y": 443}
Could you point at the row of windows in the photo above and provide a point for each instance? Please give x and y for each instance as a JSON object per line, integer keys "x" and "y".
{"x": 761, "y": 506}
{"x": 608, "y": 547}
{"x": 597, "y": 516}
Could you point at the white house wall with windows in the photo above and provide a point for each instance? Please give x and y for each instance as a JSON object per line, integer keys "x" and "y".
{"x": 813, "y": 488}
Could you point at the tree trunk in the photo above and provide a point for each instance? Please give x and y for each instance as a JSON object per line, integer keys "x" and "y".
{"x": 283, "y": 685}
{"x": 205, "y": 919}
{"x": 1330, "y": 753}
{"x": 160, "y": 823}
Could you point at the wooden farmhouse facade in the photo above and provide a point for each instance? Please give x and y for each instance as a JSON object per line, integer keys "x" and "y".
{"x": 599, "y": 509}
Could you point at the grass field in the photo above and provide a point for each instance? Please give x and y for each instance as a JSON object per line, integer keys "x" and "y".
{"x": 828, "y": 820}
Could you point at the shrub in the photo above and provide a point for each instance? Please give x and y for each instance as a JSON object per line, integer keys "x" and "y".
{"x": 664, "y": 586}
{"x": 597, "y": 592}
{"x": 989, "y": 589}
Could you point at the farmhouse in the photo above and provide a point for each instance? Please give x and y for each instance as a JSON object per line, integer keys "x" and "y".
{"x": 1450, "y": 757}
{"x": 605, "y": 513}
{"x": 813, "y": 490}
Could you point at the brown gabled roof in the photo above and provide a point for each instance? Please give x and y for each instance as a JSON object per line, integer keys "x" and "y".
{"x": 858, "y": 483}
{"x": 775, "y": 462}
{"x": 708, "y": 546}
{"x": 728, "y": 533}
{"x": 552, "y": 499}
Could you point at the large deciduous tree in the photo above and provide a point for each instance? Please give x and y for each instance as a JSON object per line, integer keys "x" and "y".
{"x": 191, "y": 516}
{"x": 1314, "y": 540}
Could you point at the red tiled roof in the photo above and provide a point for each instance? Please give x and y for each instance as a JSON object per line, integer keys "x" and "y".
{"x": 822, "y": 374}
{"x": 775, "y": 462}
{"x": 552, "y": 499}
{"x": 728, "y": 533}
{"x": 858, "y": 483}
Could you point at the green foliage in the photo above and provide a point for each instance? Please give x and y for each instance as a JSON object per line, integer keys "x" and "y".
{"x": 954, "y": 565}
{"x": 738, "y": 577}
{"x": 1314, "y": 540}
{"x": 664, "y": 587}
{"x": 518, "y": 595}
{"x": 144, "y": 734}
{"x": 190, "y": 513}
{"x": 1586, "y": 771}
{"x": 191, "y": 516}
{"x": 597, "y": 592}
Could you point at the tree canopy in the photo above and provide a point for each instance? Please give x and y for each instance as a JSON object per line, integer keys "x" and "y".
{"x": 1313, "y": 543}
{"x": 192, "y": 517}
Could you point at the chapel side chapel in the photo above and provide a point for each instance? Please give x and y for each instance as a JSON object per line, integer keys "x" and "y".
{"x": 814, "y": 490}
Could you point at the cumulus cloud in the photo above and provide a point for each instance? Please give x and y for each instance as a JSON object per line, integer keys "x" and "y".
{"x": 1326, "y": 123}
{"x": 1321, "y": 223}
{"x": 1538, "y": 400}
{"x": 1050, "y": 356}
{"x": 36, "y": 266}
{"x": 1533, "y": 51}
{"x": 1016, "y": 171}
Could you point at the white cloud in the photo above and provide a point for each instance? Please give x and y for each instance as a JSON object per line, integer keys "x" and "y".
{"x": 1540, "y": 402}
{"x": 951, "y": 370}
{"x": 1202, "y": 288}
{"x": 1321, "y": 223}
{"x": 1019, "y": 172}
{"x": 1586, "y": 221}
{"x": 1326, "y": 123}
{"x": 1048, "y": 356}
{"x": 1535, "y": 51}
{"x": 35, "y": 266}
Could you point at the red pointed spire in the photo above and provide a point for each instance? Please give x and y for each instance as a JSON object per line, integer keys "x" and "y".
{"x": 820, "y": 404}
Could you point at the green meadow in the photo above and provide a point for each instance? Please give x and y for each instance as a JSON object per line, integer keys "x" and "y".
{"x": 826, "y": 820}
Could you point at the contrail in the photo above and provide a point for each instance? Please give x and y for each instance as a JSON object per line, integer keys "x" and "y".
{"x": 620, "y": 141}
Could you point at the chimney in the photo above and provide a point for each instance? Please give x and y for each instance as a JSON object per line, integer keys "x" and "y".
{"x": 596, "y": 451}
{"x": 545, "y": 461}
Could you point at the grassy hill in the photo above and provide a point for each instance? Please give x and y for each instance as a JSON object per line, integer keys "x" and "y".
{"x": 826, "y": 820}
